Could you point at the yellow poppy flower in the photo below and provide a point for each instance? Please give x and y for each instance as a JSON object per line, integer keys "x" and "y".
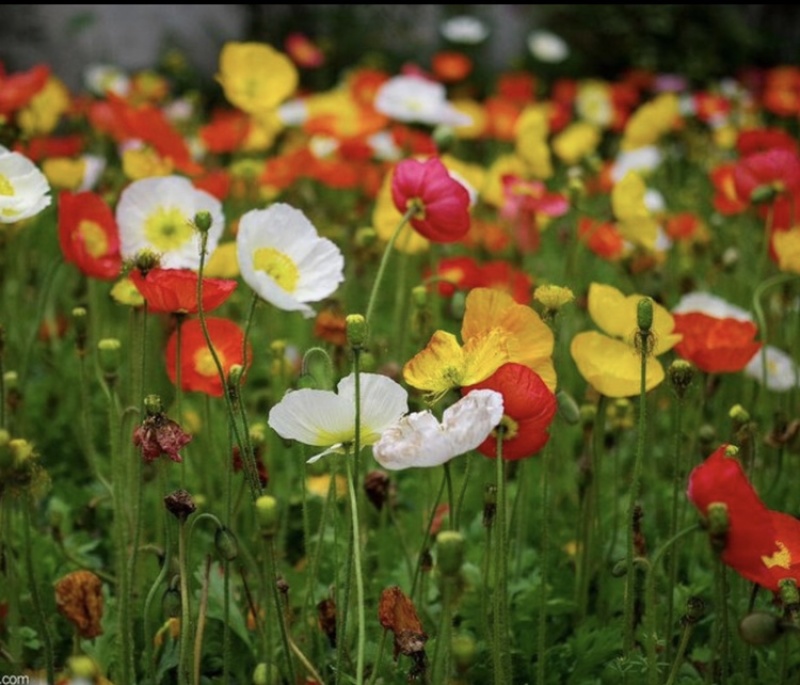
{"x": 531, "y": 141}
{"x": 610, "y": 361}
{"x": 652, "y": 120}
{"x": 576, "y": 141}
{"x": 633, "y": 217}
{"x": 505, "y": 165}
{"x": 255, "y": 77}
{"x": 787, "y": 247}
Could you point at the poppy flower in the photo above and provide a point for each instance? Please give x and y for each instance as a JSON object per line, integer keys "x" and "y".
{"x": 415, "y": 99}
{"x": 601, "y": 237}
{"x": 198, "y": 370}
{"x": 88, "y": 234}
{"x": 324, "y": 418}
{"x": 303, "y": 51}
{"x": 157, "y": 435}
{"x": 634, "y": 218}
{"x": 174, "y": 291}
{"x": 781, "y": 372}
{"x": 158, "y": 214}
{"x": 457, "y": 273}
{"x": 255, "y": 77}
{"x": 500, "y": 275}
{"x": 441, "y": 203}
{"x": 450, "y": 66}
{"x": 529, "y": 407}
{"x": 24, "y": 191}
{"x": 715, "y": 345}
{"x": 609, "y": 361}
{"x": 420, "y": 440}
{"x": 285, "y": 261}
{"x": 526, "y": 201}
{"x": 761, "y": 545}
{"x": 17, "y": 89}
{"x": 776, "y": 172}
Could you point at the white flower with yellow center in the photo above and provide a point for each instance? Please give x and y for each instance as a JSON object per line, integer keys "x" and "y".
{"x": 414, "y": 99}
{"x": 323, "y": 418}
{"x": 286, "y": 262}
{"x": 420, "y": 440}
{"x": 24, "y": 191}
{"x": 157, "y": 214}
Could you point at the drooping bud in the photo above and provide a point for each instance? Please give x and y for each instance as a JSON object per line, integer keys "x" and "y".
{"x": 450, "y": 556}
{"x": 760, "y": 628}
{"x": 180, "y": 504}
{"x": 267, "y": 515}
{"x": 203, "y": 221}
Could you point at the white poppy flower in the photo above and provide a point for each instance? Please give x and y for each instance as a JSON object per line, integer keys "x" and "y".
{"x": 102, "y": 79}
{"x": 24, "y": 190}
{"x": 324, "y": 418}
{"x": 712, "y": 305}
{"x": 283, "y": 259}
{"x": 547, "y": 46}
{"x": 641, "y": 159}
{"x": 420, "y": 440}
{"x": 464, "y": 29}
{"x": 416, "y": 99}
{"x": 782, "y": 370}
{"x": 157, "y": 214}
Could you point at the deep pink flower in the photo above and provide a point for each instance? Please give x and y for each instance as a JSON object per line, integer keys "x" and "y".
{"x": 442, "y": 202}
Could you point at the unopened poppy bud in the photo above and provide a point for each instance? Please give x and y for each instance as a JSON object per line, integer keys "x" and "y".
{"x": 681, "y": 375}
{"x": 180, "y": 504}
{"x": 356, "y": 330}
{"x": 762, "y": 194}
{"x": 80, "y": 322}
{"x": 235, "y": 375}
{"x": 171, "y": 603}
{"x": 109, "y": 353}
{"x": 739, "y": 414}
{"x": 695, "y": 610}
{"x": 267, "y": 514}
{"x": 203, "y": 221}
{"x": 83, "y": 668}
{"x": 731, "y": 451}
{"x": 419, "y": 296}
{"x": 568, "y": 408}
{"x": 644, "y": 314}
{"x": 760, "y": 628}
{"x": 458, "y": 305}
{"x": 366, "y": 237}
{"x": 368, "y": 363}
{"x": 153, "y": 405}
{"x": 718, "y": 524}
{"x": 145, "y": 261}
{"x": 226, "y": 543}
{"x": 463, "y": 649}
{"x": 450, "y": 552}
{"x": 266, "y": 674}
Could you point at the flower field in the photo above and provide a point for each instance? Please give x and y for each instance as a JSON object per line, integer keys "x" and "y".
{"x": 417, "y": 378}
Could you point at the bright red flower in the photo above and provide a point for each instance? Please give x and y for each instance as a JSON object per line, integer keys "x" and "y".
{"x": 198, "y": 369}
{"x": 523, "y": 202}
{"x": 727, "y": 200}
{"x": 441, "y": 202}
{"x": 501, "y": 275}
{"x": 226, "y": 132}
{"x": 683, "y": 225}
{"x": 715, "y": 345}
{"x": 778, "y": 171}
{"x": 529, "y": 407}
{"x": 601, "y": 237}
{"x": 174, "y": 291}
{"x": 16, "y": 90}
{"x": 761, "y": 545}
{"x": 88, "y": 235}
{"x": 457, "y": 273}
{"x": 761, "y": 139}
{"x": 450, "y": 67}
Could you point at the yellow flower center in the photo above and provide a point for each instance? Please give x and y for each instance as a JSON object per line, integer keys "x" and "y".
{"x": 167, "y": 229}
{"x": 278, "y": 266}
{"x": 93, "y": 238}
{"x": 204, "y": 362}
{"x": 782, "y": 558}
{"x": 507, "y": 427}
{"x": 418, "y": 206}
{"x": 5, "y": 186}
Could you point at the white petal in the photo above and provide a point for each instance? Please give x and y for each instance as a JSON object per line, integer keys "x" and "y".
{"x": 383, "y": 402}
{"x": 712, "y": 305}
{"x": 314, "y": 417}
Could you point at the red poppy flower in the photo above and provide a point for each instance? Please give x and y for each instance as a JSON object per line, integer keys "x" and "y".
{"x": 715, "y": 345}
{"x": 88, "y": 235}
{"x": 500, "y": 275}
{"x": 523, "y": 202}
{"x": 450, "y": 67}
{"x": 174, "y": 291}
{"x": 457, "y": 273}
{"x": 442, "y": 203}
{"x": 226, "y": 132}
{"x": 529, "y": 407}
{"x": 776, "y": 170}
{"x": 16, "y": 90}
{"x": 198, "y": 369}
{"x": 683, "y": 226}
{"x": 727, "y": 200}
{"x": 760, "y": 139}
{"x": 760, "y": 545}
{"x": 303, "y": 51}
{"x": 602, "y": 238}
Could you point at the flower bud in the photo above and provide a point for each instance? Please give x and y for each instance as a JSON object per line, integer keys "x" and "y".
{"x": 266, "y": 674}
{"x": 356, "y": 330}
{"x": 760, "y": 628}
{"x": 419, "y": 296}
{"x": 80, "y": 321}
{"x": 180, "y": 504}
{"x": 568, "y": 408}
{"x": 226, "y": 543}
{"x": 763, "y": 194}
{"x": 376, "y": 487}
{"x": 82, "y": 667}
{"x": 21, "y": 452}
{"x": 463, "y": 649}
{"x": 267, "y": 515}
{"x": 644, "y": 315}
{"x": 366, "y": 237}
{"x": 109, "y": 357}
{"x": 153, "y": 405}
{"x": 553, "y": 297}
{"x": 681, "y": 375}
{"x": 145, "y": 261}
{"x": 718, "y": 524}
{"x": 450, "y": 557}
{"x": 203, "y": 221}
{"x": 739, "y": 414}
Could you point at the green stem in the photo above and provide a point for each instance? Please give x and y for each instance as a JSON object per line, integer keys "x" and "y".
{"x": 441, "y": 653}
{"x": 684, "y": 643}
{"x": 361, "y": 615}
{"x": 501, "y": 650}
{"x": 184, "y": 661}
{"x": 378, "y": 659}
{"x": 426, "y": 537}
{"x": 450, "y": 498}
{"x": 269, "y": 548}
{"x": 677, "y": 487}
{"x": 544, "y": 544}
{"x": 462, "y": 492}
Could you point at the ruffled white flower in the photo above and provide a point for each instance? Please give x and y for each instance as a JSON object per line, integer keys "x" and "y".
{"x": 547, "y": 46}
{"x": 285, "y": 261}
{"x": 464, "y": 29}
{"x": 712, "y": 305}
{"x": 782, "y": 370}
{"x": 157, "y": 214}
{"x": 24, "y": 190}
{"x": 324, "y": 418}
{"x": 417, "y": 99}
{"x": 420, "y": 440}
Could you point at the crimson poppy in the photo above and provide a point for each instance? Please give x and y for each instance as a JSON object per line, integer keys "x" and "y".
{"x": 760, "y": 544}
{"x": 716, "y": 345}
{"x": 88, "y": 235}
{"x": 529, "y": 407}
{"x": 441, "y": 202}
{"x": 174, "y": 291}
{"x": 198, "y": 369}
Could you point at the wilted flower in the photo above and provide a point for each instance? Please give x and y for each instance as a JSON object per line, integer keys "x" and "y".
{"x": 79, "y": 598}
{"x": 396, "y": 612}
{"x": 157, "y": 435}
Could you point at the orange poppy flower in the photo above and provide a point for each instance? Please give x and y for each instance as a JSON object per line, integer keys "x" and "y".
{"x": 715, "y": 345}
{"x": 87, "y": 233}
{"x": 174, "y": 291}
{"x": 450, "y": 67}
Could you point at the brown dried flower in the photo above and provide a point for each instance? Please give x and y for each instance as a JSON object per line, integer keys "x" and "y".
{"x": 397, "y": 613}
{"x": 157, "y": 435}
{"x": 79, "y": 597}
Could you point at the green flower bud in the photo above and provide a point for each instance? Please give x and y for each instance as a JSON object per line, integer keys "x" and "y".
{"x": 419, "y": 296}
{"x": 763, "y": 193}
{"x": 568, "y": 408}
{"x": 718, "y": 524}
{"x": 463, "y": 649}
{"x": 21, "y": 452}
{"x": 145, "y": 261}
{"x": 203, "y": 221}
{"x": 760, "y": 628}
{"x": 153, "y": 405}
{"x": 681, "y": 375}
{"x": 739, "y": 414}
{"x": 80, "y": 321}
{"x": 644, "y": 314}
{"x": 356, "y": 330}
{"x": 267, "y": 515}
{"x": 83, "y": 667}
{"x": 226, "y": 543}
{"x": 450, "y": 546}
{"x": 109, "y": 356}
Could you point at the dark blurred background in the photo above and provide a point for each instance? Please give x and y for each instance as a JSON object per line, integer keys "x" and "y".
{"x": 701, "y": 42}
